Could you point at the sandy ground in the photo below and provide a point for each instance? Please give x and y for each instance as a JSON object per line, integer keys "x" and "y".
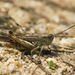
{"x": 37, "y": 18}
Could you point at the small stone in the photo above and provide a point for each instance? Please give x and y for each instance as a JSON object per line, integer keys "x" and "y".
{"x": 11, "y": 67}
{"x": 10, "y": 60}
{"x": 18, "y": 64}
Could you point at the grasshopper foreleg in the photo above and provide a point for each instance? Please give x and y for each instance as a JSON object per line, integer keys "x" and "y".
{"x": 34, "y": 50}
{"x": 41, "y": 51}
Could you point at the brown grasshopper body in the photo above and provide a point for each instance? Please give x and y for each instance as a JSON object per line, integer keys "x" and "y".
{"x": 39, "y": 43}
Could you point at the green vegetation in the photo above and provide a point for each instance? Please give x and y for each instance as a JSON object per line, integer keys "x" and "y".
{"x": 50, "y": 63}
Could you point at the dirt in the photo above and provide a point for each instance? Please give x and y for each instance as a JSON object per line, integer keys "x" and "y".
{"x": 36, "y": 18}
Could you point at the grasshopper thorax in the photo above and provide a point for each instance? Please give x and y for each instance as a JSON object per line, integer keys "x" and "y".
{"x": 50, "y": 38}
{"x": 45, "y": 40}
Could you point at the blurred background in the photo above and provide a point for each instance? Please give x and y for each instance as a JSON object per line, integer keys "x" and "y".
{"x": 37, "y": 16}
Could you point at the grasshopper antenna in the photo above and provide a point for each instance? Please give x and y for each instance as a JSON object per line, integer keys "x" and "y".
{"x": 65, "y": 30}
{"x": 17, "y": 24}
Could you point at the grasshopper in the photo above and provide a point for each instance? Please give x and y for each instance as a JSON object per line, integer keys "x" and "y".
{"x": 40, "y": 41}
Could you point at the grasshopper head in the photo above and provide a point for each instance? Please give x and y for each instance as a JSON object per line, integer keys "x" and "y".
{"x": 47, "y": 39}
{"x": 51, "y": 37}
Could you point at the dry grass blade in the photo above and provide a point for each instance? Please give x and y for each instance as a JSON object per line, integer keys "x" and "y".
{"x": 56, "y": 50}
{"x": 69, "y": 63}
